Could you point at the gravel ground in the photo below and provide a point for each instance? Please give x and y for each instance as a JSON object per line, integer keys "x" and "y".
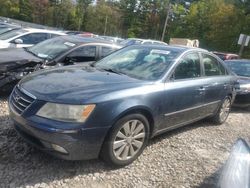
{"x": 191, "y": 156}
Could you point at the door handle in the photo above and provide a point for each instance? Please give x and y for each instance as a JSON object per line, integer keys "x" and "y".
{"x": 201, "y": 90}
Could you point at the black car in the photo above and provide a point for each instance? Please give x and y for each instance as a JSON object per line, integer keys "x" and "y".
{"x": 65, "y": 50}
{"x": 242, "y": 69}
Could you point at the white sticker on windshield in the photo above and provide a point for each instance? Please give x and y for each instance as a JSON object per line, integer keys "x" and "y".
{"x": 42, "y": 55}
{"x": 69, "y": 44}
{"x": 160, "y": 52}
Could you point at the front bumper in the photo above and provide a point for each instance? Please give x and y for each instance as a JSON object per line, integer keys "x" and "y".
{"x": 80, "y": 144}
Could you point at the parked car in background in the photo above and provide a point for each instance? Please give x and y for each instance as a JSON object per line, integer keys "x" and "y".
{"x": 242, "y": 69}
{"x": 26, "y": 37}
{"x": 7, "y": 28}
{"x": 16, "y": 63}
{"x": 112, "y": 108}
{"x": 86, "y": 34}
{"x": 133, "y": 41}
{"x": 226, "y": 56}
{"x": 112, "y": 39}
{"x": 73, "y": 32}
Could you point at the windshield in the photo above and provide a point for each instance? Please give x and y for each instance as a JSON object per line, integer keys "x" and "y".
{"x": 52, "y": 48}
{"x": 145, "y": 63}
{"x": 12, "y": 34}
{"x": 5, "y": 29}
{"x": 239, "y": 68}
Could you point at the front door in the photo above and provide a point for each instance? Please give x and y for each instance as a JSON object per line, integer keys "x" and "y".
{"x": 184, "y": 94}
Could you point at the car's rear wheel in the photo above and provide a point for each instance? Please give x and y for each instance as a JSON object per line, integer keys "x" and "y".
{"x": 126, "y": 140}
{"x": 223, "y": 112}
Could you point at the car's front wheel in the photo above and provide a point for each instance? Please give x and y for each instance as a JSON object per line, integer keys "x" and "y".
{"x": 126, "y": 140}
{"x": 222, "y": 114}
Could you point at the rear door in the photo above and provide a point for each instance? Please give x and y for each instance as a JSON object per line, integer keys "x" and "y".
{"x": 217, "y": 80}
{"x": 105, "y": 50}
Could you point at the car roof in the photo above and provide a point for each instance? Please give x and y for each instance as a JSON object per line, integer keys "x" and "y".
{"x": 177, "y": 48}
{"x": 80, "y": 40}
{"x": 238, "y": 60}
{"x": 225, "y": 53}
{"x": 186, "y": 48}
{"x": 43, "y": 31}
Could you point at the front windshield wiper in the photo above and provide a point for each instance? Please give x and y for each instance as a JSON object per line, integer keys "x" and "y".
{"x": 112, "y": 71}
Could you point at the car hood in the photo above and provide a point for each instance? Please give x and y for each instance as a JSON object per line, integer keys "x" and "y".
{"x": 4, "y": 44}
{"x": 75, "y": 84}
{"x": 15, "y": 57}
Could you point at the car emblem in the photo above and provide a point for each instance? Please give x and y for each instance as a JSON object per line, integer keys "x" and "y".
{"x": 17, "y": 98}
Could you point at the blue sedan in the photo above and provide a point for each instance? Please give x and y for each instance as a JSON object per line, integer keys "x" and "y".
{"x": 113, "y": 107}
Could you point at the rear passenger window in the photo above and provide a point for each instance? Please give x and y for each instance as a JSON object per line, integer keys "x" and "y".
{"x": 106, "y": 51}
{"x": 212, "y": 66}
{"x": 34, "y": 38}
{"x": 83, "y": 54}
{"x": 189, "y": 67}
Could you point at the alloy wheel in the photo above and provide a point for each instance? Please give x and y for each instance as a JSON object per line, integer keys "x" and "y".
{"x": 129, "y": 140}
{"x": 225, "y": 109}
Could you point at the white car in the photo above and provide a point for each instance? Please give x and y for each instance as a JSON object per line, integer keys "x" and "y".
{"x": 133, "y": 41}
{"x": 26, "y": 37}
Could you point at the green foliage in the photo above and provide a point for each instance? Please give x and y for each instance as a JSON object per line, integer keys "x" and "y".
{"x": 216, "y": 23}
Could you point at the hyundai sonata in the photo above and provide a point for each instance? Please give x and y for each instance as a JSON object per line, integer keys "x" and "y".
{"x": 114, "y": 107}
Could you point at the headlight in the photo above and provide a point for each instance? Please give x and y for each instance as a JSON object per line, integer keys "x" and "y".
{"x": 66, "y": 113}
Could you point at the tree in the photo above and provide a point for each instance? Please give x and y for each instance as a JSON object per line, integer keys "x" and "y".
{"x": 25, "y": 10}
{"x": 40, "y": 11}
{"x": 81, "y": 13}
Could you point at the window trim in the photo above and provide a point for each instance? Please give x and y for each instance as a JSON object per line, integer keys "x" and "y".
{"x": 219, "y": 61}
{"x": 27, "y": 34}
{"x": 63, "y": 56}
{"x": 177, "y": 64}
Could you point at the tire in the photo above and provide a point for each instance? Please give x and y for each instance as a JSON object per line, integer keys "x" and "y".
{"x": 223, "y": 112}
{"x": 122, "y": 145}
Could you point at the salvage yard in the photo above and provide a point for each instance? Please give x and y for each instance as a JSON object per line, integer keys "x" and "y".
{"x": 191, "y": 156}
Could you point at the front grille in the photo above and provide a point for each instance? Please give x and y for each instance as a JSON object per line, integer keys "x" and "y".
{"x": 20, "y": 101}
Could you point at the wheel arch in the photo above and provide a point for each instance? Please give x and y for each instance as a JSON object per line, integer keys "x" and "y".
{"x": 139, "y": 110}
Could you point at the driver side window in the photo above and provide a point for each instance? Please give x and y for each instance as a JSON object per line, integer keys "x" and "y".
{"x": 83, "y": 54}
{"x": 188, "y": 67}
{"x": 34, "y": 38}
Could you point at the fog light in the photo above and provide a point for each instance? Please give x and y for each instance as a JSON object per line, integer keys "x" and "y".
{"x": 59, "y": 148}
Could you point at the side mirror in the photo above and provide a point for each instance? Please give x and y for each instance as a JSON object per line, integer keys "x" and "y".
{"x": 18, "y": 41}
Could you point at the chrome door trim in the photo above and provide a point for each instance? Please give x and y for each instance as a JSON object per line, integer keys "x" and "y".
{"x": 192, "y": 108}
{"x": 180, "y": 125}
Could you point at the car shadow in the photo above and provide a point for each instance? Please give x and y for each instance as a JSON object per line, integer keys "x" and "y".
{"x": 34, "y": 166}
{"x": 26, "y": 166}
{"x": 213, "y": 180}
{"x": 240, "y": 110}
{"x": 180, "y": 130}
{"x": 4, "y": 96}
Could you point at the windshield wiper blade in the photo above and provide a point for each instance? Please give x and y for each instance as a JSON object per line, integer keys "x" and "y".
{"x": 112, "y": 71}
